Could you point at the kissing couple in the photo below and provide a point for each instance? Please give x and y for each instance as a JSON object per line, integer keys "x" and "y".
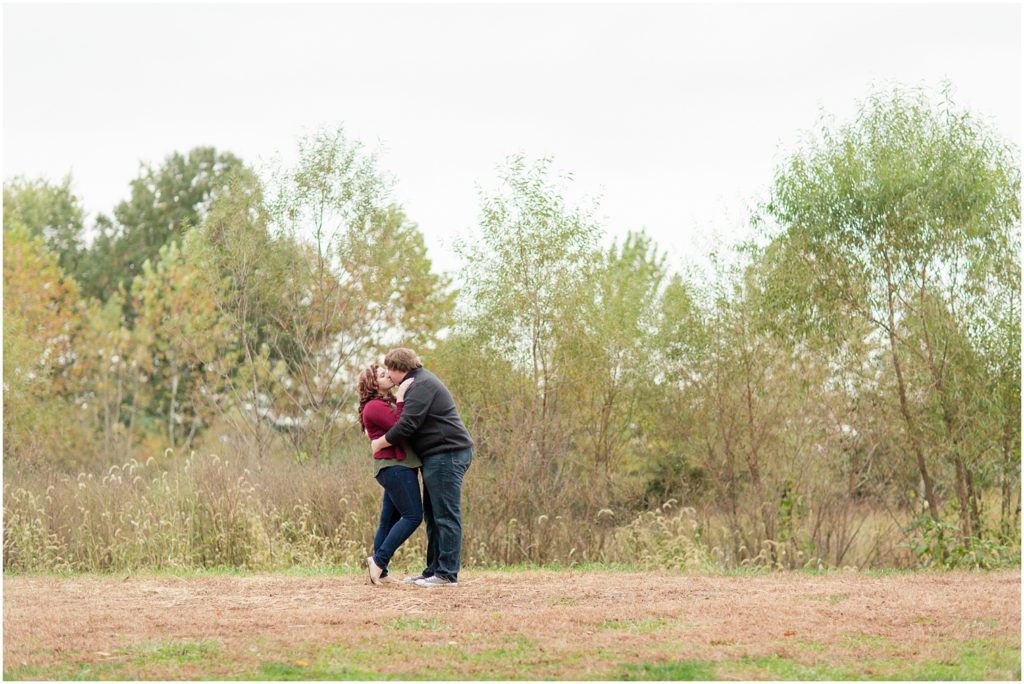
{"x": 411, "y": 420}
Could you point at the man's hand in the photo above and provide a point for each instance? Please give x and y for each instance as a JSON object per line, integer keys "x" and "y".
{"x": 379, "y": 443}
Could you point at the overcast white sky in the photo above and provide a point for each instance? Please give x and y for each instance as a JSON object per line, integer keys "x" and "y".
{"x": 675, "y": 114}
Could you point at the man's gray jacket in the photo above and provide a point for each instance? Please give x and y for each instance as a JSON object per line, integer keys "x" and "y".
{"x": 430, "y": 424}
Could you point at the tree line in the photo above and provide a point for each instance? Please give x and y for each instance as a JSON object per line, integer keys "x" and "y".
{"x": 843, "y": 387}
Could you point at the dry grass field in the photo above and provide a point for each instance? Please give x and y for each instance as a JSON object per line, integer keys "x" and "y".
{"x": 530, "y": 624}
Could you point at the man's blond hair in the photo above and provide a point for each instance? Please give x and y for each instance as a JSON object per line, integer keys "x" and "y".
{"x": 402, "y": 359}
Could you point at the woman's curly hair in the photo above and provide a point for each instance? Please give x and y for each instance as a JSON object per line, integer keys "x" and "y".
{"x": 369, "y": 388}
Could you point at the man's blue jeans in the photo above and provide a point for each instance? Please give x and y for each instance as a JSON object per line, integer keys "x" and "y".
{"x": 442, "y": 510}
{"x": 400, "y": 513}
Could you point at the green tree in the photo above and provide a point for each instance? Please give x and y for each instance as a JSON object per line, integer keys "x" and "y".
{"x": 48, "y": 211}
{"x": 1002, "y": 353}
{"x": 896, "y": 220}
{"x": 680, "y": 342}
{"x": 526, "y": 275}
{"x": 108, "y": 382}
{"x": 247, "y": 272}
{"x": 177, "y": 325}
{"x": 526, "y": 278}
{"x": 164, "y": 202}
{"x": 617, "y": 374}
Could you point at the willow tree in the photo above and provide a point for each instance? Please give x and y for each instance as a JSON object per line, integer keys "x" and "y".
{"x": 527, "y": 274}
{"x": 613, "y": 383}
{"x": 525, "y": 282}
{"x": 900, "y": 220}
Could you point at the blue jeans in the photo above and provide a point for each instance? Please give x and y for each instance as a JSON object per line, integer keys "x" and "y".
{"x": 442, "y": 510}
{"x": 400, "y": 514}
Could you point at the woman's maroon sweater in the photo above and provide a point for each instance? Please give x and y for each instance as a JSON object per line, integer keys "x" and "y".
{"x": 379, "y": 417}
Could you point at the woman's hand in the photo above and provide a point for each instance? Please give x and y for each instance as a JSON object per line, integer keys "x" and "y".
{"x": 400, "y": 393}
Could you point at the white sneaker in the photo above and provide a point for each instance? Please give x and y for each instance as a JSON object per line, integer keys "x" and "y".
{"x": 436, "y": 582}
{"x": 375, "y": 571}
{"x": 414, "y": 579}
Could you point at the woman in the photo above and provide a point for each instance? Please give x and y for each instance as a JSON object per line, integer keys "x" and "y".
{"x": 395, "y": 469}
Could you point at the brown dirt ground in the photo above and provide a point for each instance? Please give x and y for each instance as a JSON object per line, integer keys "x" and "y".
{"x": 577, "y": 625}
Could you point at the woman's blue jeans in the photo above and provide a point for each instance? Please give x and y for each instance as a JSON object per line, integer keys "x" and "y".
{"x": 400, "y": 514}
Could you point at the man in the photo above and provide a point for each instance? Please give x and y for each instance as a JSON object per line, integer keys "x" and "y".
{"x": 430, "y": 424}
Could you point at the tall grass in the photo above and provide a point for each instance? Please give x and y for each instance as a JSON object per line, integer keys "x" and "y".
{"x": 202, "y": 511}
{"x": 198, "y": 511}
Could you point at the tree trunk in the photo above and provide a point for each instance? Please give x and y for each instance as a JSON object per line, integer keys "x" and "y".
{"x": 1009, "y": 518}
{"x": 170, "y": 411}
{"x": 915, "y": 441}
